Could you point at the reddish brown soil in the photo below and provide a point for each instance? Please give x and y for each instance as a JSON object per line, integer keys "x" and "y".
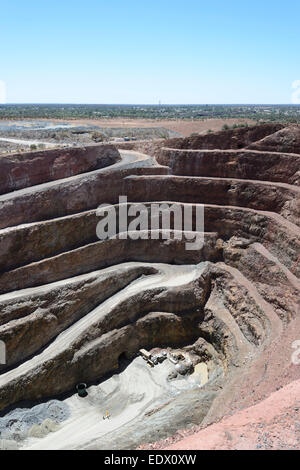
{"x": 272, "y": 424}
{"x": 184, "y": 126}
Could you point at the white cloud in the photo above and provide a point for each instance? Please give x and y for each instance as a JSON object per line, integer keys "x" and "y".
{"x": 296, "y": 93}
{"x": 2, "y": 92}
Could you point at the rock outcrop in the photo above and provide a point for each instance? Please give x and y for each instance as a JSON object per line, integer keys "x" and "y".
{"x": 71, "y": 305}
{"x": 28, "y": 169}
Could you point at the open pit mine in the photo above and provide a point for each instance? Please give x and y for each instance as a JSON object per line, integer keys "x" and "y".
{"x": 122, "y": 342}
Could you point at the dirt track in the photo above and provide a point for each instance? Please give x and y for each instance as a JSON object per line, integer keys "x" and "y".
{"x": 75, "y": 316}
{"x": 184, "y": 127}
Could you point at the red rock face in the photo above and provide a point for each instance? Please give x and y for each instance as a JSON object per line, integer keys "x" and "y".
{"x": 229, "y": 139}
{"x": 239, "y": 164}
{"x": 240, "y": 315}
{"x": 269, "y": 425}
{"x": 28, "y": 169}
{"x": 284, "y": 140}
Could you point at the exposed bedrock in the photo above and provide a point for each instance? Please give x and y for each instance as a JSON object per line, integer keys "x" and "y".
{"x": 74, "y": 194}
{"x": 54, "y": 307}
{"x": 228, "y": 139}
{"x": 261, "y": 195}
{"x": 166, "y": 308}
{"x": 44, "y": 262}
{"x": 105, "y": 327}
{"x": 284, "y": 140}
{"x": 72, "y": 306}
{"x": 63, "y": 372}
{"x": 277, "y": 285}
{"x": 31, "y": 242}
{"x": 107, "y": 253}
{"x": 244, "y": 164}
{"x": 28, "y": 169}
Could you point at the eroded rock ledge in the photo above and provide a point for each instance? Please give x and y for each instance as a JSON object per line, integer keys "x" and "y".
{"x": 71, "y": 305}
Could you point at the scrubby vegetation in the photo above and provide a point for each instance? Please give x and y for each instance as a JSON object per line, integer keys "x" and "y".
{"x": 285, "y": 113}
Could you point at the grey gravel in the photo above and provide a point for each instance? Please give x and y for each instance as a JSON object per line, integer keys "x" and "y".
{"x": 16, "y": 424}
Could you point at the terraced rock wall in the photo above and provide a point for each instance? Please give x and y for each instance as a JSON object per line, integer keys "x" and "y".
{"x": 71, "y": 304}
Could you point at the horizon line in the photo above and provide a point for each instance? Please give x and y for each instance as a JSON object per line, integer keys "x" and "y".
{"x": 146, "y": 104}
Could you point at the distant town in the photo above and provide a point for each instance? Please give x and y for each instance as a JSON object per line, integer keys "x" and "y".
{"x": 283, "y": 113}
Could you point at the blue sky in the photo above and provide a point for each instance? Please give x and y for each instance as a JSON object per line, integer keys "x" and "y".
{"x": 135, "y": 51}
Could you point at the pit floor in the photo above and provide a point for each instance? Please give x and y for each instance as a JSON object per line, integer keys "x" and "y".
{"x": 127, "y": 397}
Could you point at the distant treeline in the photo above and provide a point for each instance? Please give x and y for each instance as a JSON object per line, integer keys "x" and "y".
{"x": 286, "y": 113}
